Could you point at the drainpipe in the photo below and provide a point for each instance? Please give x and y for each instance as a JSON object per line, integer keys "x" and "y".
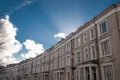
{"x": 44, "y": 69}
{"x": 72, "y": 61}
{"x": 31, "y": 69}
{"x": 58, "y": 58}
{"x": 49, "y": 67}
{"x": 58, "y": 65}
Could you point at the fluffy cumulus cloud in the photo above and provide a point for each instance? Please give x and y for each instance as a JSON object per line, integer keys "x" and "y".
{"x": 60, "y": 35}
{"x": 33, "y": 49}
{"x": 8, "y": 60}
{"x": 8, "y": 43}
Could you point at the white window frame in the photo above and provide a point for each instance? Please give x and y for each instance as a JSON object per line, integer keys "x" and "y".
{"x": 99, "y": 29}
{"x": 76, "y": 57}
{"x": 106, "y": 64}
{"x": 92, "y": 52}
{"x": 63, "y": 63}
{"x": 92, "y": 38}
{"x": 56, "y": 64}
{"x": 77, "y": 41}
{"x": 68, "y": 47}
{"x": 101, "y": 55}
{"x": 85, "y": 37}
{"x": 85, "y": 59}
{"x": 68, "y": 63}
{"x": 51, "y": 56}
{"x": 56, "y": 53}
{"x": 62, "y": 50}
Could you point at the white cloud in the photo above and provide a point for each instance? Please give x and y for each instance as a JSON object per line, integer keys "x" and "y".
{"x": 29, "y": 54}
{"x": 10, "y": 46}
{"x": 60, "y": 35}
{"x": 8, "y": 60}
{"x": 23, "y": 4}
{"x": 8, "y": 43}
{"x": 33, "y": 49}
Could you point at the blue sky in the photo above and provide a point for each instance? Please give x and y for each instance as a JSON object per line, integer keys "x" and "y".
{"x": 40, "y": 20}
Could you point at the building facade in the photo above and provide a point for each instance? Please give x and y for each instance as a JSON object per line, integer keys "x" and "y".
{"x": 90, "y": 53}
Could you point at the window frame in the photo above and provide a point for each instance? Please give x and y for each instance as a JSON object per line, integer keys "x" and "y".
{"x": 100, "y": 46}
{"x": 63, "y": 63}
{"x": 92, "y": 38}
{"x": 99, "y": 27}
{"x": 68, "y": 62}
{"x": 77, "y": 57}
{"x": 56, "y": 64}
{"x": 85, "y": 58}
{"x": 107, "y": 64}
{"x": 92, "y": 58}
{"x": 85, "y": 37}
{"x": 68, "y": 47}
{"x": 77, "y": 41}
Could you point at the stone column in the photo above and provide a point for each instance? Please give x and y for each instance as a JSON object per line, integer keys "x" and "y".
{"x": 90, "y": 72}
{"x": 84, "y": 73}
{"x": 78, "y": 73}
